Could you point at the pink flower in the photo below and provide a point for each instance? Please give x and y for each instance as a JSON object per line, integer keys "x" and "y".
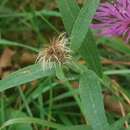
{"x": 113, "y": 19}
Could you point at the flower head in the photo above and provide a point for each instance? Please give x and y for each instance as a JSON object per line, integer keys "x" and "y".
{"x": 56, "y": 53}
{"x": 114, "y": 19}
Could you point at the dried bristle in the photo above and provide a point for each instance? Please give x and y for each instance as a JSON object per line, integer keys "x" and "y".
{"x": 56, "y": 53}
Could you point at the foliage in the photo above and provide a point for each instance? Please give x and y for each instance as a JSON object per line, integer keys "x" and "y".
{"x": 63, "y": 97}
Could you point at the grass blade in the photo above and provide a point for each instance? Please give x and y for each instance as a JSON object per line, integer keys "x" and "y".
{"x": 29, "y": 120}
{"x": 69, "y": 10}
{"x": 117, "y": 72}
{"x": 90, "y": 53}
{"x": 80, "y": 127}
{"x": 11, "y": 43}
{"x": 24, "y": 75}
{"x": 92, "y": 101}
{"x": 82, "y": 23}
{"x": 120, "y": 123}
{"x": 29, "y": 14}
{"x": 116, "y": 44}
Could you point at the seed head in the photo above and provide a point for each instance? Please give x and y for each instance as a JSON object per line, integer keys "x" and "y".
{"x": 57, "y": 53}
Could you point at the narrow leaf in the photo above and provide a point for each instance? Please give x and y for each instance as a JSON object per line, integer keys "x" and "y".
{"x": 80, "y": 127}
{"x": 24, "y": 75}
{"x": 69, "y": 10}
{"x": 116, "y": 44}
{"x": 11, "y": 113}
{"x": 82, "y": 23}
{"x": 28, "y": 14}
{"x": 92, "y": 101}
{"x": 117, "y": 72}
{"x": 30, "y": 120}
{"x": 12, "y": 43}
{"x": 90, "y": 53}
{"x": 120, "y": 123}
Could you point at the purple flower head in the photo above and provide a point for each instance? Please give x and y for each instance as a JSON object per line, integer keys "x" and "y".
{"x": 114, "y": 19}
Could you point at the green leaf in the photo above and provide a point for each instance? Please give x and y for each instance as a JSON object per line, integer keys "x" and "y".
{"x": 90, "y": 53}
{"x": 117, "y": 72}
{"x": 24, "y": 75}
{"x": 11, "y": 43}
{"x": 60, "y": 75}
{"x": 116, "y": 44}
{"x": 69, "y": 10}
{"x": 92, "y": 101}
{"x": 120, "y": 123}
{"x": 13, "y": 14}
{"x": 82, "y": 23}
{"x": 80, "y": 127}
{"x": 15, "y": 114}
{"x": 69, "y": 15}
{"x": 40, "y": 89}
{"x": 30, "y": 120}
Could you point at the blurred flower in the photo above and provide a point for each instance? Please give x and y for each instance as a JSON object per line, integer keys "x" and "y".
{"x": 113, "y": 19}
{"x": 57, "y": 53}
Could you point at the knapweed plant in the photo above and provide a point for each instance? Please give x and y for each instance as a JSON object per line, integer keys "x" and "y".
{"x": 79, "y": 78}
